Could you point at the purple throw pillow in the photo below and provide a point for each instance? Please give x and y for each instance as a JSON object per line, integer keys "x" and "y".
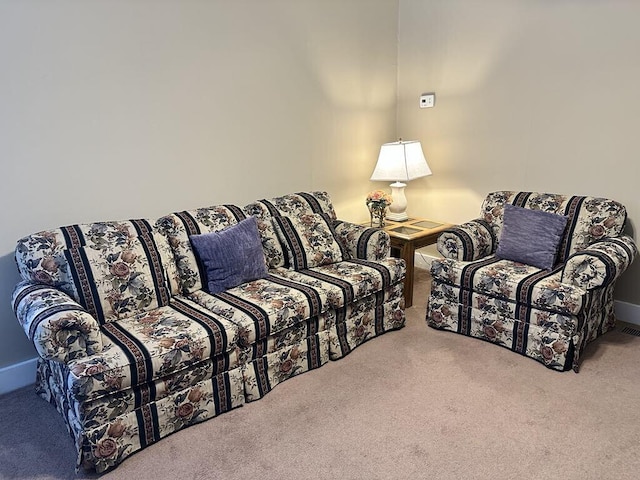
{"x": 230, "y": 257}
{"x": 530, "y": 236}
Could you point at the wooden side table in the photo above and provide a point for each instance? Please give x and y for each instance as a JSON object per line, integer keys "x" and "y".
{"x": 406, "y": 238}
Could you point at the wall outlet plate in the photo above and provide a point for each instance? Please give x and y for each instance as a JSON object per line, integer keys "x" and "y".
{"x": 427, "y": 100}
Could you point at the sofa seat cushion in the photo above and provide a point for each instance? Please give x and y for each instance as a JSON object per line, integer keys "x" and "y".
{"x": 263, "y": 307}
{"x": 102, "y": 409}
{"x": 350, "y": 280}
{"x": 512, "y": 281}
{"x": 151, "y": 346}
{"x": 287, "y": 297}
{"x": 287, "y": 337}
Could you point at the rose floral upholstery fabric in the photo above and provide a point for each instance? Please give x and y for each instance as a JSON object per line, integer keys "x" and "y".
{"x": 548, "y": 315}
{"x": 133, "y": 348}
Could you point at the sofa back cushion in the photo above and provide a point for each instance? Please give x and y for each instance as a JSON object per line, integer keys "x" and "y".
{"x": 271, "y": 247}
{"x": 588, "y": 218}
{"x": 292, "y": 205}
{"x": 309, "y": 240}
{"x": 113, "y": 269}
{"x": 301, "y": 203}
{"x": 178, "y": 227}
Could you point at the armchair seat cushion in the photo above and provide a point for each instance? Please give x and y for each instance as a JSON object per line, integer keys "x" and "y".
{"x": 547, "y": 337}
{"x": 506, "y": 280}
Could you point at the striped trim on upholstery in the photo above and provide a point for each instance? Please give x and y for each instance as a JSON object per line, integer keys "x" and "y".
{"x": 145, "y": 236}
{"x": 571, "y": 212}
{"x": 83, "y": 278}
{"x": 313, "y": 297}
{"x": 258, "y": 315}
{"x": 382, "y": 269}
{"x": 216, "y": 332}
{"x": 48, "y": 312}
{"x": 73, "y": 236}
{"x": 345, "y": 287}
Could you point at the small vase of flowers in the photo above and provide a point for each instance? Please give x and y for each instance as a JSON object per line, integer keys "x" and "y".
{"x": 377, "y": 203}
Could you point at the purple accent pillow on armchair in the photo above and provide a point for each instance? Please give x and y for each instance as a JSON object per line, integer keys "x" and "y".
{"x": 531, "y": 236}
{"x": 232, "y": 256}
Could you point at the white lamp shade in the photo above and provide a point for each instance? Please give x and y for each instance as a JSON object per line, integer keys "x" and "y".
{"x": 400, "y": 162}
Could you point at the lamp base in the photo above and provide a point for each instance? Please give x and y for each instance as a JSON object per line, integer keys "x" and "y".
{"x": 397, "y": 217}
{"x": 398, "y": 209}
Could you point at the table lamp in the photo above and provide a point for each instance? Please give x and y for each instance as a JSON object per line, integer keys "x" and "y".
{"x": 400, "y": 162}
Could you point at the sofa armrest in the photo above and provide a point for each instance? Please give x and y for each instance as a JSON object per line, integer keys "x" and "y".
{"x": 59, "y": 328}
{"x": 469, "y": 241}
{"x": 363, "y": 242}
{"x": 601, "y": 263}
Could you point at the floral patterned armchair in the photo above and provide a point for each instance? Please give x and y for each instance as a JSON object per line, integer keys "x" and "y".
{"x": 548, "y": 315}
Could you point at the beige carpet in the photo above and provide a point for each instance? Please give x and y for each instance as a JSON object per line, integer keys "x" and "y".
{"x": 416, "y": 403}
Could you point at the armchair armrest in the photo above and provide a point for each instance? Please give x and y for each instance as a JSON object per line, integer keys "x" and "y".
{"x": 469, "y": 241}
{"x": 601, "y": 263}
{"x": 363, "y": 242}
{"x": 59, "y": 328}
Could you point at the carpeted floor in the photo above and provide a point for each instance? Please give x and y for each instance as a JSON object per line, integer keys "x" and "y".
{"x": 416, "y": 403}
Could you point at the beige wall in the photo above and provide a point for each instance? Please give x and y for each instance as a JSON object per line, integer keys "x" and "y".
{"x": 124, "y": 109}
{"x": 531, "y": 95}
{"x": 105, "y": 104}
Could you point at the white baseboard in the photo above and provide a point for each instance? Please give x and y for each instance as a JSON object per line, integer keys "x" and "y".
{"x": 13, "y": 377}
{"x": 628, "y": 312}
{"x": 423, "y": 258}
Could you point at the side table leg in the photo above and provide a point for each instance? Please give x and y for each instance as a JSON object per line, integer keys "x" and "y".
{"x": 408, "y": 254}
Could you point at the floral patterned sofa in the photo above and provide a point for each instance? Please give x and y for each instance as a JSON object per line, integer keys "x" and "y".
{"x": 546, "y": 314}
{"x": 132, "y": 347}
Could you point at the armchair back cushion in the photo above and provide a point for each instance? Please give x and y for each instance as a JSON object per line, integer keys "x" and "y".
{"x": 588, "y": 218}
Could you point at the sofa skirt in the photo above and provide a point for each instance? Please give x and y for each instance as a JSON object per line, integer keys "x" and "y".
{"x": 101, "y": 446}
{"x": 263, "y": 374}
{"x": 355, "y": 326}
